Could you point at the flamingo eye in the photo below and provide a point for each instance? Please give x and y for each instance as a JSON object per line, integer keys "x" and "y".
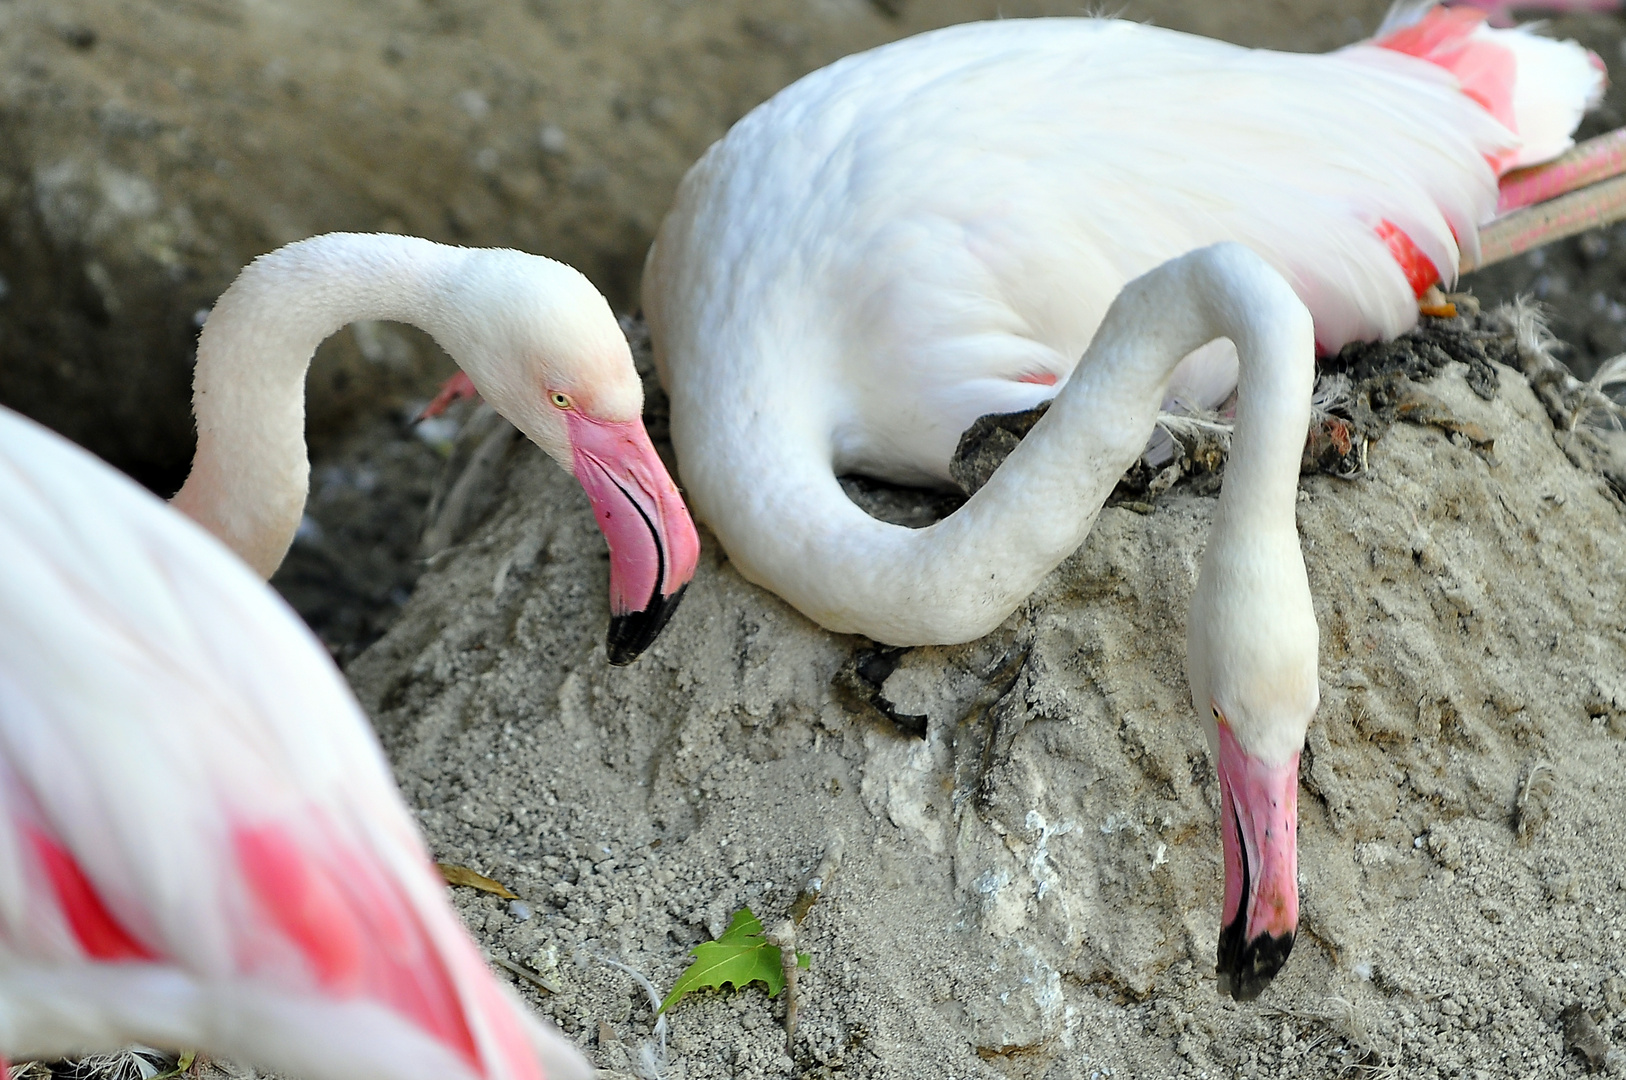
{"x": 561, "y": 401}
{"x": 1216, "y": 711}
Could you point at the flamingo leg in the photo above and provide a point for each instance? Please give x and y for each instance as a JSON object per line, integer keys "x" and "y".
{"x": 1588, "y": 163}
{"x": 456, "y": 388}
{"x": 1529, "y": 228}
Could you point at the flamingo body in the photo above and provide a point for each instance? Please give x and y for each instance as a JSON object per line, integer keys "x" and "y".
{"x": 200, "y": 842}
{"x": 929, "y": 232}
{"x": 980, "y": 218}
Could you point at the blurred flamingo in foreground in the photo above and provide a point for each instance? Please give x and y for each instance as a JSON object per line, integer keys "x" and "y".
{"x": 533, "y": 335}
{"x": 200, "y": 843}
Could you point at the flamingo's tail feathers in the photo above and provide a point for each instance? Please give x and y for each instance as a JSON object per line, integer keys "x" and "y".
{"x": 1535, "y": 86}
{"x": 1557, "y": 82}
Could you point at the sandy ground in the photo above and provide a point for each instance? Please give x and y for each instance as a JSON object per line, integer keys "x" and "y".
{"x": 1032, "y": 888}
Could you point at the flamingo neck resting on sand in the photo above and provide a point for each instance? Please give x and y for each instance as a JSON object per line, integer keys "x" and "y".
{"x": 1252, "y": 634}
{"x": 534, "y": 336}
{"x": 958, "y": 579}
{"x": 203, "y": 846}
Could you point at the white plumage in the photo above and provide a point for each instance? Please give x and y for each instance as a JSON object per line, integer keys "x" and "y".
{"x": 933, "y": 231}
{"x": 919, "y": 235}
{"x": 532, "y": 335}
{"x": 200, "y": 842}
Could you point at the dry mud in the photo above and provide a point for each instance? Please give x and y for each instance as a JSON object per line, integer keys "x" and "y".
{"x": 1032, "y": 888}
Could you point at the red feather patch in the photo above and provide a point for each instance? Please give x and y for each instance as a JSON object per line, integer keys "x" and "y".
{"x": 359, "y": 934}
{"x": 99, "y": 933}
{"x": 1419, "y": 270}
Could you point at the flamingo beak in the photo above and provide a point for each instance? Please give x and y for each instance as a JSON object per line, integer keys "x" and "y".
{"x": 1259, "y": 806}
{"x": 654, "y": 548}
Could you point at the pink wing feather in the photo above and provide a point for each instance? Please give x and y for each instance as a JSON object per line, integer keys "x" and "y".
{"x": 200, "y": 843}
{"x": 1533, "y": 87}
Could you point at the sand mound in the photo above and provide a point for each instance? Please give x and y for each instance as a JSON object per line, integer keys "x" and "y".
{"x": 1032, "y": 888}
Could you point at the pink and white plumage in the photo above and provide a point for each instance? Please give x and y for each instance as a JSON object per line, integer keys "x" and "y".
{"x": 932, "y": 231}
{"x": 200, "y": 842}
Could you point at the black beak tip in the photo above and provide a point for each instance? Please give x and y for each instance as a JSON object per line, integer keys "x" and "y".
{"x": 1246, "y": 967}
{"x": 632, "y": 633}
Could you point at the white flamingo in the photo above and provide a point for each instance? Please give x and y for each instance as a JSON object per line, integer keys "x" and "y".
{"x": 534, "y": 336}
{"x": 200, "y": 843}
{"x": 932, "y": 231}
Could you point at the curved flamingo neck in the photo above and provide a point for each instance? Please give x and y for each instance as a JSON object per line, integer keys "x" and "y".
{"x": 961, "y": 577}
{"x": 250, "y": 475}
{"x": 1272, "y": 419}
{"x": 1251, "y": 634}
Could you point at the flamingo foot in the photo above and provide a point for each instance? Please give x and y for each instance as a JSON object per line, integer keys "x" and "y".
{"x": 1434, "y": 304}
{"x": 1580, "y": 190}
{"x": 456, "y": 388}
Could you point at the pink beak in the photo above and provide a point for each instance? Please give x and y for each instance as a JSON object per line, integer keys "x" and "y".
{"x": 1259, "y": 809}
{"x": 653, "y": 546}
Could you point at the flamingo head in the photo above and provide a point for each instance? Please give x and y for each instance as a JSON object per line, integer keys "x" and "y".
{"x": 541, "y": 345}
{"x": 1251, "y": 661}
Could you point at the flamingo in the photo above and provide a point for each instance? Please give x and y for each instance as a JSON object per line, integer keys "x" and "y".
{"x": 932, "y": 231}
{"x": 533, "y": 335}
{"x": 200, "y": 843}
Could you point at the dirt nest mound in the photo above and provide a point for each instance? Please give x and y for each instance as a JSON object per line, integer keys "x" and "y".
{"x": 1031, "y": 879}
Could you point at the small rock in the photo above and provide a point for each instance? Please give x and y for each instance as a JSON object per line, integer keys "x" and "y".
{"x": 551, "y": 137}
{"x": 1444, "y": 847}
{"x": 1563, "y": 888}
{"x": 474, "y": 103}
{"x": 80, "y": 37}
{"x": 1581, "y": 1036}
{"x": 1614, "y": 995}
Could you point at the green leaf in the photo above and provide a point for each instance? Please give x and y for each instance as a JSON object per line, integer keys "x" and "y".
{"x": 739, "y": 957}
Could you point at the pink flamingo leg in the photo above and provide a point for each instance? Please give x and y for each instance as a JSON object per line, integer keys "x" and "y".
{"x": 456, "y": 388}
{"x": 1523, "y": 230}
{"x": 1594, "y": 160}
